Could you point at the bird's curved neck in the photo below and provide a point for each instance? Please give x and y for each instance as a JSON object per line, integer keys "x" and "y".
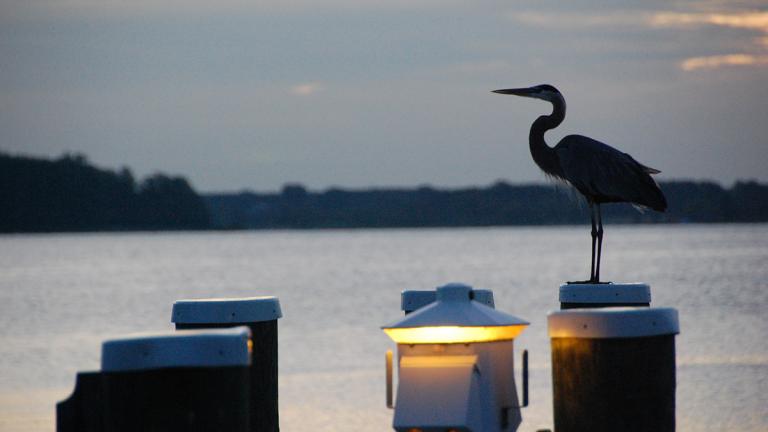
{"x": 544, "y": 155}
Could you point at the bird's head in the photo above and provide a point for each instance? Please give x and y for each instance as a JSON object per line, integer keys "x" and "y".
{"x": 543, "y": 91}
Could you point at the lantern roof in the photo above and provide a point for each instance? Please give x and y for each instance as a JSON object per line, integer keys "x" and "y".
{"x": 453, "y": 306}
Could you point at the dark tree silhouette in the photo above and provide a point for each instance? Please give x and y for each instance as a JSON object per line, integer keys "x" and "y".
{"x": 497, "y": 205}
{"x": 69, "y": 194}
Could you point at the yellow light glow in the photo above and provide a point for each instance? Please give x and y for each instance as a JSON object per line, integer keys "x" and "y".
{"x": 453, "y": 334}
{"x": 438, "y": 361}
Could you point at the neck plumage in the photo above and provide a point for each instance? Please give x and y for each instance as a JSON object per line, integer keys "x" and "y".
{"x": 544, "y": 156}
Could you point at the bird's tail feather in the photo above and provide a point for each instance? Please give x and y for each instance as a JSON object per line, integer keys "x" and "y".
{"x": 650, "y": 170}
{"x": 651, "y": 196}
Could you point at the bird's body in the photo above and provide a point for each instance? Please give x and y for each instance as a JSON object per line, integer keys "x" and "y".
{"x": 598, "y": 171}
{"x": 606, "y": 175}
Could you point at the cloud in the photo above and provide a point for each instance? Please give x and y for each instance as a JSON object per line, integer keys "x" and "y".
{"x": 745, "y": 20}
{"x": 750, "y": 21}
{"x": 712, "y": 62}
{"x": 306, "y": 89}
{"x": 581, "y": 20}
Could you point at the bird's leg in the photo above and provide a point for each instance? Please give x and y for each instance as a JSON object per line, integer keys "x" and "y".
{"x": 592, "y": 277}
{"x": 599, "y": 242}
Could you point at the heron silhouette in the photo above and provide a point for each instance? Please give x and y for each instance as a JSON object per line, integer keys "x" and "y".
{"x": 600, "y": 172}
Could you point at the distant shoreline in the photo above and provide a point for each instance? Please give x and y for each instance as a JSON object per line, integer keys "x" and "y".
{"x": 318, "y": 230}
{"x": 69, "y": 195}
{"x": 500, "y": 204}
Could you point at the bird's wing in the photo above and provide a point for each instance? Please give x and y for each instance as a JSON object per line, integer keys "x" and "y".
{"x": 605, "y": 174}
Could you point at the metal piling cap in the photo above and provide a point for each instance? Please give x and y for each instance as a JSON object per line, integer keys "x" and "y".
{"x": 613, "y": 323}
{"x": 226, "y": 310}
{"x": 185, "y": 348}
{"x": 605, "y": 293}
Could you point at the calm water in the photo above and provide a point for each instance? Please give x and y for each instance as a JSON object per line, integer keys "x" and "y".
{"x": 61, "y": 295}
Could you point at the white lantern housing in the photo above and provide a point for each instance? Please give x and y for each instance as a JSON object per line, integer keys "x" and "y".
{"x": 456, "y": 365}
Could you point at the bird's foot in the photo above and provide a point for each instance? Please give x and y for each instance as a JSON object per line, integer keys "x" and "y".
{"x": 588, "y": 282}
{"x": 579, "y": 282}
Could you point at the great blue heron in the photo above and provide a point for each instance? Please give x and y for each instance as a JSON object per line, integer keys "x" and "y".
{"x": 600, "y": 172}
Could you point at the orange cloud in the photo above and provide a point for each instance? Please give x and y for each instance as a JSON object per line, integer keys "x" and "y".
{"x": 744, "y": 20}
{"x": 754, "y": 20}
{"x": 711, "y": 62}
{"x": 306, "y": 89}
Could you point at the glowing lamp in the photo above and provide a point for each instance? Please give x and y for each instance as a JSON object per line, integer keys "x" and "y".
{"x": 455, "y": 318}
{"x": 453, "y": 334}
{"x": 455, "y": 363}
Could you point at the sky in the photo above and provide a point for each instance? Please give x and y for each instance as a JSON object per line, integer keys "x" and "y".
{"x": 236, "y": 94}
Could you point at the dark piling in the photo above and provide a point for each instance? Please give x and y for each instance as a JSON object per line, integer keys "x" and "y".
{"x": 260, "y": 314}
{"x": 614, "y": 369}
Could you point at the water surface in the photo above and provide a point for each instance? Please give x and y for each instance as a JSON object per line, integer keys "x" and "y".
{"x": 62, "y": 295}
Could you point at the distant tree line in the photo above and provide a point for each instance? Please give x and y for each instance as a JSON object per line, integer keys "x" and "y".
{"x": 497, "y": 205}
{"x": 69, "y": 194}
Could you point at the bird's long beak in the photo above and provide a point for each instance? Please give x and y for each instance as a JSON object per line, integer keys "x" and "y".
{"x": 525, "y": 92}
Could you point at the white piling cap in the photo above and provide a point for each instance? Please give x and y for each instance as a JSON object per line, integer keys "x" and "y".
{"x": 454, "y": 307}
{"x": 226, "y": 310}
{"x": 610, "y": 323}
{"x": 184, "y": 348}
{"x": 621, "y": 293}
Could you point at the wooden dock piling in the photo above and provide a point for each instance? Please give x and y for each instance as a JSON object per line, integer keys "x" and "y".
{"x": 83, "y": 411}
{"x": 613, "y": 369}
{"x": 173, "y": 382}
{"x": 260, "y": 314}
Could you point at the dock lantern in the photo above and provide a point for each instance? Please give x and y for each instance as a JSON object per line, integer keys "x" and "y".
{"x": 455, "y": 358}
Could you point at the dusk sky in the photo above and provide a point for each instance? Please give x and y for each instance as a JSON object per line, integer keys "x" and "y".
{"x": 236, "y": 94}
